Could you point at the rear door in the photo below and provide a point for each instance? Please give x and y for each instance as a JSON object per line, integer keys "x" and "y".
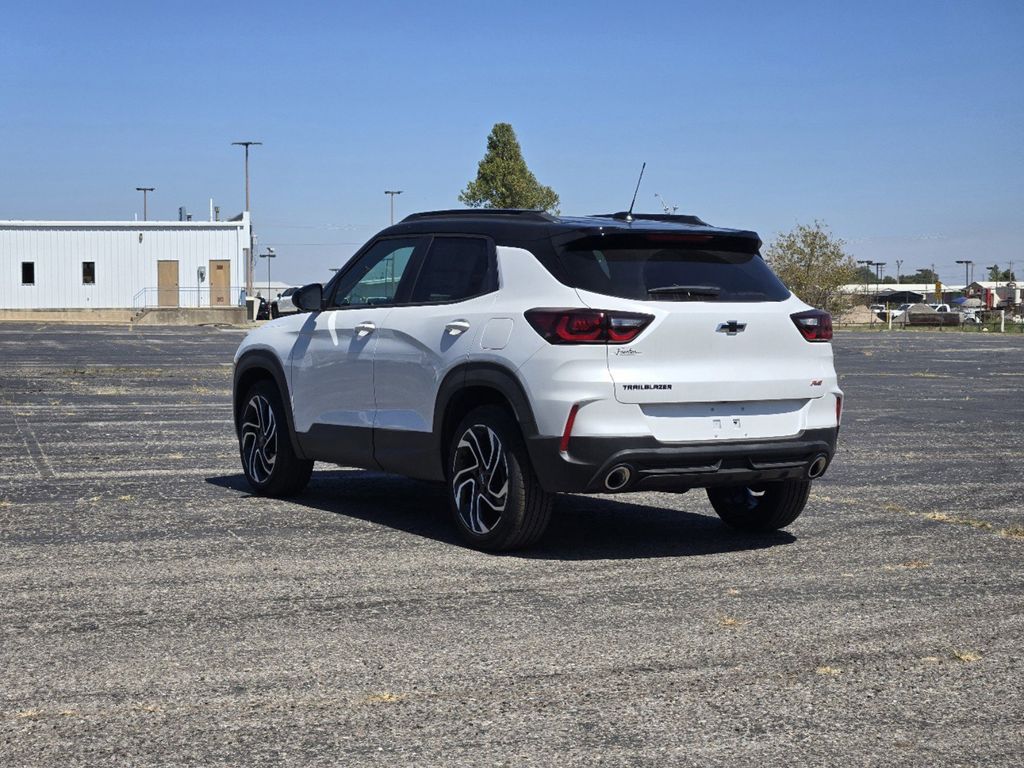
{"x": 422, "y": 339}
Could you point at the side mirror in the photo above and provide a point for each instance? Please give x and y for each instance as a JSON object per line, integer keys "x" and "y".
{"x": 309, "y": 298}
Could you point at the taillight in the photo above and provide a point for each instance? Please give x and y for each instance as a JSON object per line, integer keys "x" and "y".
{"x": 814, "y": 324}
{"x": 587, "y": 326}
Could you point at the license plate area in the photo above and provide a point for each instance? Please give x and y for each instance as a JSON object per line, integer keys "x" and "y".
{"x": 703, "y": 422}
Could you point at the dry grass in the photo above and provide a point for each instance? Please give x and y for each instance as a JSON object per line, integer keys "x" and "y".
{"x": 909, "y": 565}
{"x": 126, "y": 497}
{"x": 147, "y": 707}
{"x": 385, "y": 698}
{"x": 28, "y": 714}
{"x": 1013, "y": 532}
{"x": 827, "y": 671}
{"x": 942, "y": 517}
{"x": 966, "y": 656}
{"x": 4, "y": 503}
{"x": 730, "y": 621}
{"x": 732, "y": 591}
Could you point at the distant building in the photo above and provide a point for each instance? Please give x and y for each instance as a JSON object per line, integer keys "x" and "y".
{"x": 122, "y": 264}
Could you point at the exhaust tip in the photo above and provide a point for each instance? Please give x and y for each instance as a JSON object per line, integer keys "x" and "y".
{"x": 817, "y": 467}
{"x": 618, "y": 478}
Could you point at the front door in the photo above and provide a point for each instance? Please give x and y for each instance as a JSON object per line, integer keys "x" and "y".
{"x": 332, "y": 359}
{"x": 220, "y": 282}
{"x": 167, "y": 283}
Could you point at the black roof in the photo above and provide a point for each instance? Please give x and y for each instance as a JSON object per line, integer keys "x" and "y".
{"x": 511, "y": 225}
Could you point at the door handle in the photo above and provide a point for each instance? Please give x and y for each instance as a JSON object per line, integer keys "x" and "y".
{"x": 457, "y": 327}
{"x": 365, "y": 328}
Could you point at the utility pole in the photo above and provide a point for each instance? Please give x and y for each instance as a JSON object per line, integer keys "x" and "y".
{"x": 867, "y": 286}
{"x": 145, "y": 202}
{"x": 391, "y": 193}
{"x": 878, "y": 274}
{"x": 250, "y": 262}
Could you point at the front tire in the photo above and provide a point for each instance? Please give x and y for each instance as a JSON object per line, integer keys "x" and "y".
{"x": 496, "y": 499}
{"x": 268, "y": 458}
{"x": 761, "y": 508}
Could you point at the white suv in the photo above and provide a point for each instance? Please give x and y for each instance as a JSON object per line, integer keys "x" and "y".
{"x": 513, "y": 355}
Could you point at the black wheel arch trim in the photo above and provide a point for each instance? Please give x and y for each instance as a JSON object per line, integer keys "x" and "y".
{"x": 472, "y": 374}
{"x": 266, "y": 361}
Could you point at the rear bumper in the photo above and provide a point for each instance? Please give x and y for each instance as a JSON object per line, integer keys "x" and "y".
{"x": 666, "y": 466}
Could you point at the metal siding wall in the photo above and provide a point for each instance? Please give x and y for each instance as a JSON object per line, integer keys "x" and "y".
{"x": 124, "y": 266}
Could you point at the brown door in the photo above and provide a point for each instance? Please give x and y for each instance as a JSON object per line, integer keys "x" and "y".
{"x": 220, "y": 282}
{"x": 167, "y": 283}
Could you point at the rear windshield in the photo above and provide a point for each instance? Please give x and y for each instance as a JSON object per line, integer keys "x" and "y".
{"x": 644, "y": 268}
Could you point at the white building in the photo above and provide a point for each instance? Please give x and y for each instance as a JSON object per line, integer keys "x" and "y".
{"x": 122, "y": 264}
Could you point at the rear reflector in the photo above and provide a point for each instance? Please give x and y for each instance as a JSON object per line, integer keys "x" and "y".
{"x": 587, "y": 326}
{"x": 563, "y": 446}
{"x": 839, "y": 409}
{"x": 814, "y": 324}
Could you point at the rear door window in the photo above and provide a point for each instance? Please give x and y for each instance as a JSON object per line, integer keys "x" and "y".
{"x": 455, "y": 269}
{"x": 664, "y": 268}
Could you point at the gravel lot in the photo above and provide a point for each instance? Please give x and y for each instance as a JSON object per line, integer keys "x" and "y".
{"x": 153, "y": 612}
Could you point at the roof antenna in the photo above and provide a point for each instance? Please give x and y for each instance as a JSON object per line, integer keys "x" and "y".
{"x": 629, "y": 214}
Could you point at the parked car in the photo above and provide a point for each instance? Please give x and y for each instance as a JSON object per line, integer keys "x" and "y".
{"x": 940, "y": 307}
{"x": 283, "y": 305}
{"x": 513, "y": 355}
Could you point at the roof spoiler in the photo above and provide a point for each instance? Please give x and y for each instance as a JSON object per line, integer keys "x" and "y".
{"x": 520, "y": 213}
{"x": 675, "y": 218}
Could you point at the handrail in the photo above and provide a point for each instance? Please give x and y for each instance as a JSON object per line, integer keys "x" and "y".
{"x": 189, "y": 297}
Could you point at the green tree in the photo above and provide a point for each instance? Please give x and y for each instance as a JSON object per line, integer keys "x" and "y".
{"x": 503, "y": 180}
{"x": 923, "y": 275}
{"x": 864, "y": 274}
{"x": 1000, "y": 275}
{"x": 812, "y": 264}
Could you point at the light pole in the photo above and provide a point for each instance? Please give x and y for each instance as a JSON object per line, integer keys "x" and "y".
{"x": 247, "y": 144}
{"x": 967, "y": 266}
{"x": 899, "y": 266}
{"x": 145, "y": 202}
{"x": 251, "y": 262}
{"x": 270, "y": 254}
{"x": 391, "y": 193}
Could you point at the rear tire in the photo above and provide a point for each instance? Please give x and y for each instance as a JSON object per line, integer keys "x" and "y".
{"x": 268, "y": 458}
{"x": 495, "y": 497}
{"x": 765, "y": 507}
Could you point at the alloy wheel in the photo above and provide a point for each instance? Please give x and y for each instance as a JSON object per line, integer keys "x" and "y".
{"x": 259, "y": 439}
{"x": 480, "y": 479}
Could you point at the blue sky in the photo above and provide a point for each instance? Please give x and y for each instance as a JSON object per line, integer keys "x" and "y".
{"x": 900, "y": 124}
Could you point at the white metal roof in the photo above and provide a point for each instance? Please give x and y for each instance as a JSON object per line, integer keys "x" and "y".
{"x": 150, "y": 224}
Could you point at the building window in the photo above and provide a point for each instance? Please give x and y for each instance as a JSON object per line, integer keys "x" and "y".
{"x": 28, "y": 273}
{"x": 88, "y": 273}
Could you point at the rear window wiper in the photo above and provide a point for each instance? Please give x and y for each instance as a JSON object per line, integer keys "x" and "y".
{"x": 685, "y": 290}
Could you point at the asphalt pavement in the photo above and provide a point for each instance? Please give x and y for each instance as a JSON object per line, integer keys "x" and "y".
{"x": 153, "y": 612}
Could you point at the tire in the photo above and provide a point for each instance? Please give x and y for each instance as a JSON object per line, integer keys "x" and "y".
{"x": 268, "y": 458}
{"x": 765, "y": 507}
{"x": 494, "y": 495}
